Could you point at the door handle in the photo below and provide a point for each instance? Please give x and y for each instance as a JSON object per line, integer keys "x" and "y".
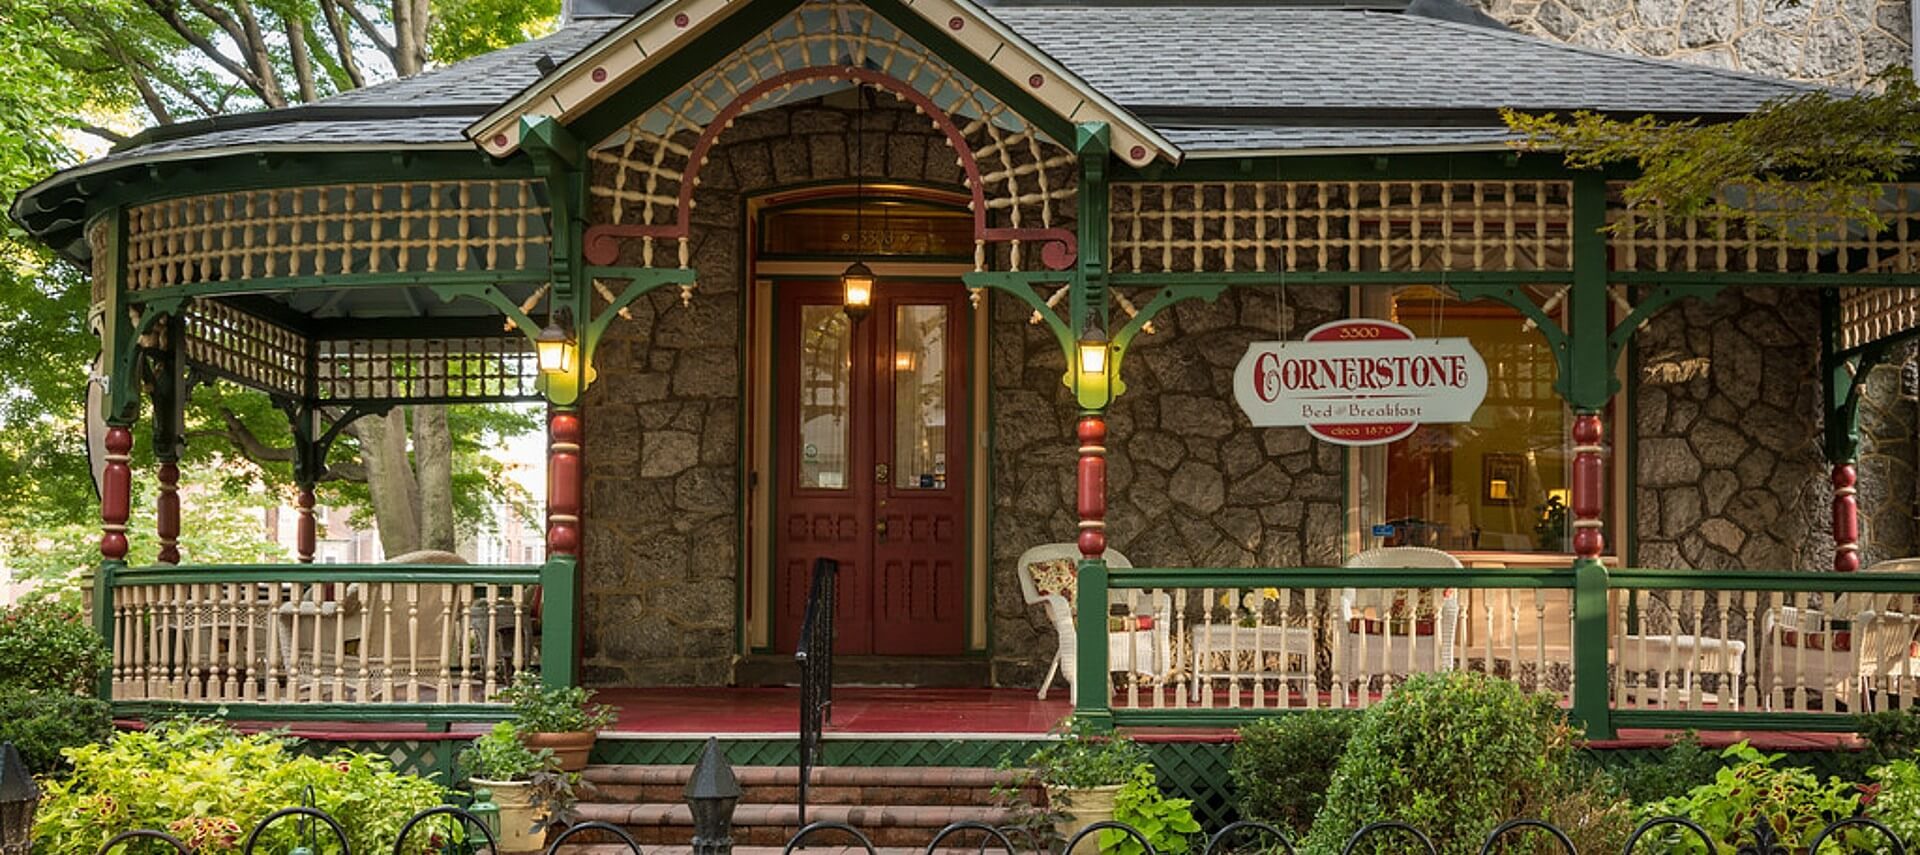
{"x": 880, "y": 529}
{"x": 880, "y": 473}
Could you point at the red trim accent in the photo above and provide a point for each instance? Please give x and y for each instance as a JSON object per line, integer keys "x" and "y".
{"x": 563, "y": 483}
{"x": 116, "y": 491}
{"x": 1589, "y": 487}
{"x": 601, "y": 244}
{"x": 307, "y": 536}
{"x": 1846, "y": 519}
{"x": 166, "y": 525}
{"x": 1092, "y": 486}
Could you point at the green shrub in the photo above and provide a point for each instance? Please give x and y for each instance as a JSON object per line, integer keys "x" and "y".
{"x": 1084, "y": 757}
{"x": 1897, "y": 804}
{"x": 210, "y": 786}
{"x": 43, "y": 724}
{"x": 1167, "y": 824}
{"x": 1455, "y": 755}
{"x": 1681, "y": 766}
{"x": 1794, "y": 802}
{"x": 567, "y": 709}
{"x": 1283, "y": 765}
{"x": 48, "y": 646}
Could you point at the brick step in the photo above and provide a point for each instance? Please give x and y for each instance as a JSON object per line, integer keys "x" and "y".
{"x": 774, "y": 824}
{"x": 832, "y": 785}
{"x": 829, "y": 848}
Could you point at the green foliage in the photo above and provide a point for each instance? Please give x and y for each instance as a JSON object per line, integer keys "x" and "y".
{"x": 468, "y": 28}
{"x": 1897, "y": 804}
{"x": 498, "y": 755}
{"x": 1167, "y": 824}
{"x": 1283, "y": 765}
{"x": 1801, "y": 166}
{"x": 50, "y": 647}
{"x": 538, "y": 709}
{"x": 44, "y": 724}
{"x": 1681, "y": 766}
{"x": 209, "y": 785}
{"x": 1084, "y": 757}
{"x": 1455, "y": 754}
{"x": 1753, "y": 791}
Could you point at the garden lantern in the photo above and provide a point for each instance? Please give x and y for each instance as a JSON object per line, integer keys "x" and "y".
{"x": 554, "y": 346}
{"x": 484, "y": 810}
{"x": 857, "y": 282}
{"x": 712, "y": 793}
{"x": 19, "y": 798}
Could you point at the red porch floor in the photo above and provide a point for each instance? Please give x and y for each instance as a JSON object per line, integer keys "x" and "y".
{"x": 772, "y": 713}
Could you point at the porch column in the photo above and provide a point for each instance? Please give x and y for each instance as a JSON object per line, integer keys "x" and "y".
{"x": 1092, "y": 485}
{"x": 166, "y": 527}
{"x": 1589, "y": 486}
{"x": 305, "y": 537}
{"x": 116, "y": 493}
{"x": 563, "y": 482}
{"x": 1846, "y": 518}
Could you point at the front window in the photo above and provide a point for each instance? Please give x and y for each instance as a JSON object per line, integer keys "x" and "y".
{"x": 1496, "y": 484}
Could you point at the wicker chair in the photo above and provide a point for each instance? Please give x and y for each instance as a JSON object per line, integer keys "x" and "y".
{"x": 1126, "y": 649}
{"x": 1878, "y": 653}
{"x": 1363, "y": 653}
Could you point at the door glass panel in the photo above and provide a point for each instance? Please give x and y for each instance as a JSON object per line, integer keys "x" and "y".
{"x": 920, "y": 397}
{"x": 826, "y": 396}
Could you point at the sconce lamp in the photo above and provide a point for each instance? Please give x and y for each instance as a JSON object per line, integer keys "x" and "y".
{"x": 1093, "y": 359}
{"x": 858, "y": 284}
{"x": 555, "y": 345}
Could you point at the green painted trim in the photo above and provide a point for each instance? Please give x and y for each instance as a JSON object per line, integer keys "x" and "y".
{"x": 975, "y": 70}
{"x": 1587, "y": 382}
{"x": 1272, "y": 279}
{"x": 1021, "y": 285}
{"x": 1765, "y": 280}
{"x": 1590, "y": 648}
{"x": 1734, "y": 720}
{"x": 223, "y": 574}
{"x": 1764, "y": 580}
{"x": 1325, "y": 577}
{"x": 1090, "y": 633}
{"x": 559, "y": 641}
{"x": 341, "y": 282}
{"x": 330, "y": 712}
{"x": 1463, "y": 166}
{"x": 104, "y": 581}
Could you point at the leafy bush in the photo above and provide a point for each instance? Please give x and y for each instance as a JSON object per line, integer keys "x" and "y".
{"x": 1084, "y": 757}
{"x": 43, "y": 724}
{"x": 538, "y": 709}
{"x": 1793, "y": 802}
{"x": 1897, "y": 804}
{"x": 1682, "y": 766}
{"x": 49, "y": 646}
{"x": 1455, "y": 755}
{"x": 210, "y": 786}
{"x": 1167, "y": 824}
{"x": 498, "y": 755}
{"x": 1283, "y": 765}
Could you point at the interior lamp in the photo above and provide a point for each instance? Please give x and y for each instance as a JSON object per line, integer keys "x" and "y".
{"x": 555, "y": 345}
{"x": 858, "y": 283}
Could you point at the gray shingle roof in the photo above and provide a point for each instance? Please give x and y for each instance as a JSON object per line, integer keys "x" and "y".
{"x": 483, "y": 81}
{"x": 1157, "y": 59}
{"x": 1240, "y": 138}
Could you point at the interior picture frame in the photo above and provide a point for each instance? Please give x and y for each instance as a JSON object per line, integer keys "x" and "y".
{"x": 1502, "y": 479}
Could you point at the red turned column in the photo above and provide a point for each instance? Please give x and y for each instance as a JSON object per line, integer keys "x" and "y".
{"x": 116, "y": 489}
{"x": 563, "y": 482}
{"x": 305, "y": 539}
{"x": 1589, "y": 486}
{"x": 166, "y": 525}
{"x": 1846, "y": 519}
{"x": 1093, "y": 485}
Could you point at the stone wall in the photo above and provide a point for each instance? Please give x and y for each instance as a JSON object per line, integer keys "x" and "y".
{"x": 663, "y": 437}
{"x": 1190, "y": 482}
{"x": 1835, "y": 41}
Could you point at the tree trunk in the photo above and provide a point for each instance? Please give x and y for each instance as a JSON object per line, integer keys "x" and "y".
{"x": 433, "y": 468}
{"x": 390, "y": 480}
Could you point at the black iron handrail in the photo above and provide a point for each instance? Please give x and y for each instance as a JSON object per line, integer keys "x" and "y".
{"x": 814, "y": 653}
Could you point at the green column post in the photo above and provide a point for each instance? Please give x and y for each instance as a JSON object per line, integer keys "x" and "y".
{"x": 1590, "y": 384}
{"x": 1093, "y": 390}
{"x": 559, "y": 597}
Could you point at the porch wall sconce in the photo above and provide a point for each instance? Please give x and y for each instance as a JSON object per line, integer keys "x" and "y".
{"x": 555, "y": 345}
{"x": 857, "y": 283}
{"x": 1093, "y": 361}
{"x": 19, "y": 800}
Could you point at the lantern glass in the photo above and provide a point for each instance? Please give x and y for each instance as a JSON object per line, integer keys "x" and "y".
{"x": 1093, "y": 356}
{"x": 554, "y": 349}
{"x": 858, "y": 283}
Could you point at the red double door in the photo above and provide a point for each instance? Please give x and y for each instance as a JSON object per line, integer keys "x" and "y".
{"x": 872, "y": 457}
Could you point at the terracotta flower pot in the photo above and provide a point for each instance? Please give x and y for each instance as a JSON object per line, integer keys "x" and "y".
{"x": 571, "y": 749}
{"x": 518, "y": 816}
{"x": 1082, "y": 808}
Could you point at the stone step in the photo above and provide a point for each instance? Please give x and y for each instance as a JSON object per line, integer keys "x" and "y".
{"x": 842, "y": 785}
{"x": 774, "y": 824}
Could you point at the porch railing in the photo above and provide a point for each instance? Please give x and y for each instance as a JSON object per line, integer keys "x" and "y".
{"x": 262, "y": 637}
{"x": 1640, "y": 648}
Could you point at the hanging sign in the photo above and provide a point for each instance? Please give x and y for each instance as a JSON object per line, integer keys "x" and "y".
{"x": 1360, "y": 382}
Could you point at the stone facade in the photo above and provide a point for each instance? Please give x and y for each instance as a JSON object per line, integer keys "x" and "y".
{"x": 663, "y": 426}
{"x": 1190, "y": 482}
{"x": 1835, "y": 41}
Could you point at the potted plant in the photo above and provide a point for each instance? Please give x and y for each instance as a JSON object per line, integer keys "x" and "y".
{"x": 527, "y": 785}
{"x": 1082, "y": 772}
{"x": 563, "y": 720}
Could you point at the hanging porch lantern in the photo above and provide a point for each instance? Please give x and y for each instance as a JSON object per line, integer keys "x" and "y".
{"x": 1093, "y": 360}
{"x": 555, "y": 345}
{"x": 19, "y": 799}
{"x": 857, "y": 284}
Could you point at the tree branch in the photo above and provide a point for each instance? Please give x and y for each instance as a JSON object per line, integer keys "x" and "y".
{"x": 257, "y": 48}
{"x": 342, "y": 41}
{"x": 103, "y": 133}
{"x": 252, "y": 447}
{"x": 373, "y": 33}
{"x": 302, "y": 64}
{"x": 148, "y": 95}
{"x": 170, "y": 14}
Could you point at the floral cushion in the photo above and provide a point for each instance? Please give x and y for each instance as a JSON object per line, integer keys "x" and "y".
{"x": 1057, "y": 576}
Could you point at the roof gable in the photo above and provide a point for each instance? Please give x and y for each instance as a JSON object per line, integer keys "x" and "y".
{"x": 965, "y": 33}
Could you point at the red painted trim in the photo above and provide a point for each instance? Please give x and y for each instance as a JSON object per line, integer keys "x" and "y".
{"x": 307, "y": 536}
{"x": 1092, "y": 486}
{"x": 602, "y": 242}
{"x": 563, "y": 483}
{"x": 1589, "y": 486}
{"x": 1846, "y": 519}
{"x": 116, "y": 494}
{"x": 166, "y": 526}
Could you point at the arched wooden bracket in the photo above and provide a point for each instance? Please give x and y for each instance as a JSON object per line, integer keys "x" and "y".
{"x": 1166, "y": 298}
{"x": 311, "y": 444}
{"x": 1024, "y": 285}
{"x": 125, "y": 355}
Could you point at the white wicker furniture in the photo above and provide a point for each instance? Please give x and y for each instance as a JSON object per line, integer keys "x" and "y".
{"x": 1149, "y": 650}
{"x": 1878, "y": 654}
{"x": 1362, "y": 652}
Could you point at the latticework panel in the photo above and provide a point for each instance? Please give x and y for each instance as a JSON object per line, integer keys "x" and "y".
{"x": 339, "y": 229}
{"x": 493, "y": 368}
{"x": 245, "y": 348}
{"x": 1871, "y": 314}
{"x": 1341, "y": 226}
{"x": 1021, "y": 181}
{"x": 1738, "y": 233}
{"x": 97, "y": 244}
